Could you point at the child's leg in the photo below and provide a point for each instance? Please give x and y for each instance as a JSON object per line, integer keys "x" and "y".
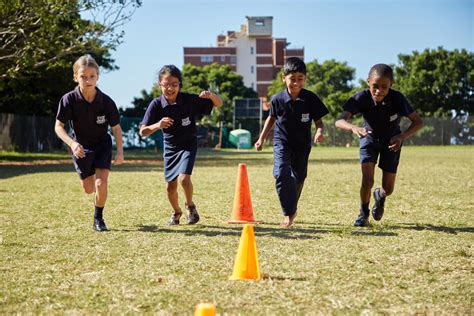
{"x": 187, "y": 184}
{"x": 172, "y": 191}
{"x": 368, "y": 170}
{"x": 284, "y": 180}
{"x": 388, "y": 183}
{"x": 185, "y": 181}
{"x": 88, "y": 184}
{"x": 286, "y": 188}
{"x": 100, "y": 185}
{"x": 388, "y": 163}
{"x": 299, "y": 189}
{"x": 100, "y": 182}
{"x": 299, "y": 170}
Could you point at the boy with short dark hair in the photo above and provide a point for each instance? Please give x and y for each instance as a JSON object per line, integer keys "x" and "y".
{"x": 293, "y": 110}
{"x": 382, "y": 109}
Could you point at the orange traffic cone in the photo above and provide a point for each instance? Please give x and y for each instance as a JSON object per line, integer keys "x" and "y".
{"x": 205, "y": 309}
{"x": 246, "y": 262}
{"x": 242, "y": 212}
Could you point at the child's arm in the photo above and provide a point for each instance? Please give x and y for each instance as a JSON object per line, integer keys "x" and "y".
{"x": 266, "y": 129}
{"x": 146, "y": 130}
{"x": 319, "y": 137}
{"x": 215, "y": 98}
{"x": 397, "y": 140}
{"x": 343, "y": 123}
{"x": 117, "y": 131}
{"x": 76, "y": 148}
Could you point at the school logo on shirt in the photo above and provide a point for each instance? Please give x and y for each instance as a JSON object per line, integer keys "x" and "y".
{"x": 101, "y": 119}
{"x": 186, "y": 121}
{"x": 305, "y": 117}
{"x": 393, "y": 117}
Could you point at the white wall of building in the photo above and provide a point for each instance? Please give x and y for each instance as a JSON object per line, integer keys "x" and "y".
{"x": 246, "y": 60}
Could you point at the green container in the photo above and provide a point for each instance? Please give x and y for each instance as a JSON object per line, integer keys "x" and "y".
{"x": 240, "y": 138}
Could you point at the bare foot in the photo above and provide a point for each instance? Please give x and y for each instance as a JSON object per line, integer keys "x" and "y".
{"x": 288, "y": 220}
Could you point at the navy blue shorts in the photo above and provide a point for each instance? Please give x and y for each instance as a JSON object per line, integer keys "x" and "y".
{"x": 370, "y": 149}
{"x": 98, "y": 156}
{"x": 178, "y": 160}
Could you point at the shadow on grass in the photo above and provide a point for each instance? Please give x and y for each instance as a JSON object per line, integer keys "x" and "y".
{"x": 268, "y": 277}
{"x": 444, "y": 229}
{"x": 294, "y": 232}
{"x": 374, "y": 233}
{"x": 215, "y": 231}
{"x": 10, "y": 171}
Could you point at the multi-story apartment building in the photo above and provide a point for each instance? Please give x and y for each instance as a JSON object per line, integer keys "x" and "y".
{"x": 252, "y": 52}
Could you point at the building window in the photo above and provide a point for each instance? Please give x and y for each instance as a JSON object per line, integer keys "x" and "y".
{"x": 252, "y": 85}
{"x": 251, "y": 50}
{"x": 222, "y": 59}
{"x": 260, "y": 23}
{"x": 207, "y": 59}
{"x": 251, "y": 69}
{"x": 233, "y": 60}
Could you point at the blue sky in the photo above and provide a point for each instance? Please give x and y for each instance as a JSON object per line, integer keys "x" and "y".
{"x": 360, "y": 32}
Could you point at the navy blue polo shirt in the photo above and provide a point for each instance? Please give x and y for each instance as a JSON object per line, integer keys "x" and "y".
{"x": 383, "y": 119}
{"x": 89, "y": 121}
{"x": 294, "y": 118}
{"x": 183, "y": 113}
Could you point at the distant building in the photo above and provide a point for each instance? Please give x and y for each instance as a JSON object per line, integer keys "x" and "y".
{"x": 252, "y": 52}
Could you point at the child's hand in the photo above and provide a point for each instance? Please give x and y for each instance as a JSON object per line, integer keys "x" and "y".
{"x": 318, "y": 138}
{"x": 78, "y": 150}
{"x": 165, "y": 122}
{"x": 118, "y": 158}
{"x": 206, "y": 94}
{"x": 360, "y": 131}
{"x": 259, "y": 145}
{"x": 396, "y": 142}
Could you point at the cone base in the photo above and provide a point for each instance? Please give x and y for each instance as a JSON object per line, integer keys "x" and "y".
{"x": 244, "y": 279}
{"x": 239, "y": 221}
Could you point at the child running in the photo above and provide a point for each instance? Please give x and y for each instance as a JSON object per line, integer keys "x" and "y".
{"x": 293, "y": 110}
{"x": 174, "y": 112}
{"x": 90, "y": 112}
{"x": 382, "y": 109}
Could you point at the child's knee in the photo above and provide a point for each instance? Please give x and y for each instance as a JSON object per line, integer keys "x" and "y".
{"x": 388, "y": 190}
{"x": 88, "y": 189}
{"x": 184, "y": 179}
{"x": 367, "y": 183}
{"x": 171, "y": 187}
{"x": 101, "y": 184}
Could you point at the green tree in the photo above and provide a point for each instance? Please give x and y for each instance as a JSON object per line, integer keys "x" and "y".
{"x": 437, "y": 81}
{"x": 225, "y": 81}
{"x": 331, "y": 81}
{"x": 39, "y": 41}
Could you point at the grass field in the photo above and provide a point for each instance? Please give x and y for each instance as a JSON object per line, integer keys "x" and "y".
{"x": 417, "y": 260}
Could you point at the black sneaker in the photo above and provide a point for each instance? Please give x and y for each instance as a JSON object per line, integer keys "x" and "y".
{"x": 193, "y": 215}
{"x": 174, "y": 219}
{"x": 99, "y": 225}
{"x": 363, "y": 219}
{"x": 378, "y": 208}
